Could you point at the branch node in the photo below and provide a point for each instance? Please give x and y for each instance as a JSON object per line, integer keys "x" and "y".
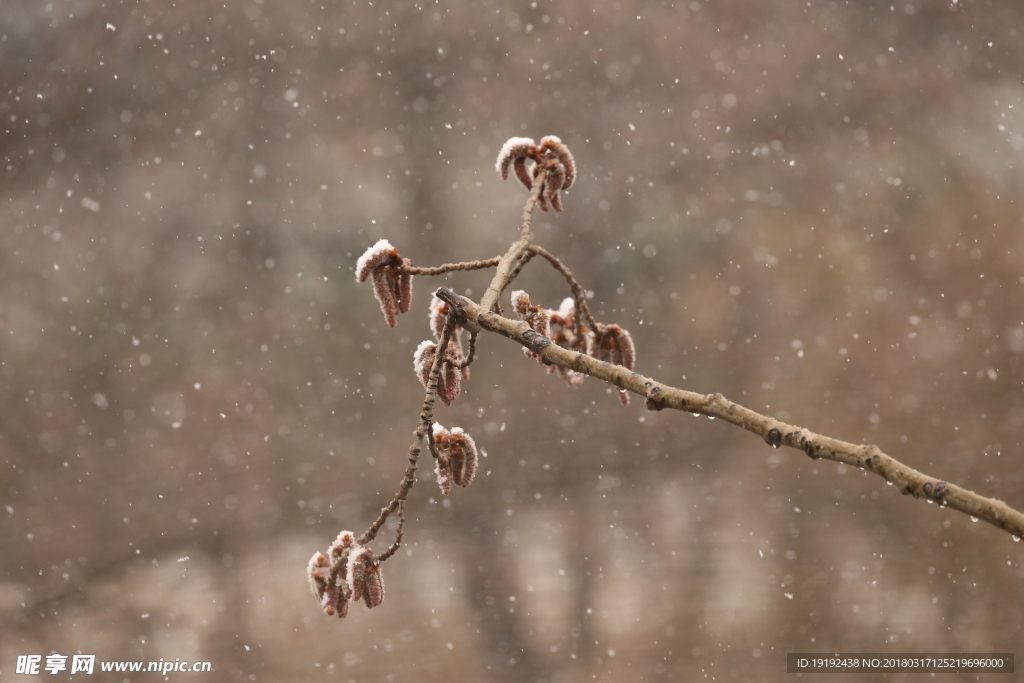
{"x": 654, "y": 405}
{"x": 811, "y": 449}
{"x": 773, "y": 437}
{"x": 936, "y": 491}
{"x": 535, "y": 341}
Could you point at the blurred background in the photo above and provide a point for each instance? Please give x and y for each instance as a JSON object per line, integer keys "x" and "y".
{"x": 813, "y": 208}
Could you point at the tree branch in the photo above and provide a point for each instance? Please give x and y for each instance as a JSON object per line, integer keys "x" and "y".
{"x": 353, "y": 571}
{"x": 422, "y": 429}
{"x": 776, "y": 433}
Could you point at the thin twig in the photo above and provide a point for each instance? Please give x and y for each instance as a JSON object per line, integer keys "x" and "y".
{"x": 907, "y": 480}
{"x": 464, "y": 363}
{"x": 531, "y": 203}
{"x": 398, "y": 535}
{"x": 523, "y": 260}
{"x": 451, "y": 267}
{"x": 512, "y": 256}
{"x": 422, "y": 429}
{"x": 578, "y": 294}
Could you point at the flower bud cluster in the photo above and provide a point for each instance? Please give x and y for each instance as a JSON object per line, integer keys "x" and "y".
{"x": 392, "y": 284}
{"x": 607, "y": 343}
{"x": 348, "y": 573}
{"x": 537, "y": 317}
{"x": 550, "y": 155}
{"x": 456, "y": 457}
{"x": 449, "y": 381}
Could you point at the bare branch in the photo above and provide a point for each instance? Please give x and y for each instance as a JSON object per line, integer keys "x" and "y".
{"x": 422, "y": 428}
{"x": 907, "y": 480}
{"x": 451, "y": 267}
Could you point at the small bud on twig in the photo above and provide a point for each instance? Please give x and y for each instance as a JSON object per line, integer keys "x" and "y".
{"x": 536, "y": 317}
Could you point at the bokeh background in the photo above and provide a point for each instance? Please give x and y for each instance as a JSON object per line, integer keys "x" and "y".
{"x": 815, "y": 208}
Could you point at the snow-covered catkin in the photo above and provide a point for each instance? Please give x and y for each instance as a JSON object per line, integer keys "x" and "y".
{"x": 380, "y": 254}
{"x": 384, "y": 290}
{"x": 405, "y": 290}
{"x": 521, "y": 302}
{"x": 524, "y": 176}
{"x": 373, "y": 586}
{"x": 443, "y": 471}
{"x": 392, "y": 282}
{"x": 450, "y": 386}
{"x": 438, "y": 314}
{"x": 316, "y": 571}
{"x": 356, "y": 574}
{"x": 564, "y": 156}
{"x": 450, "y": 383}
{"x": 464, "y": 457}
{"x": 442, "y": 466}
{"x": 423, "y": 360}
{"x": 553, "y": 185}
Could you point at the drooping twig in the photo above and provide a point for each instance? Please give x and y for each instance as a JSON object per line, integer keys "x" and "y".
{"x": 422, "y": 428}
{"x": 518, "y": 268}
{"x": 398, "y": 535}
{"x": 776, "y": 433}
{"x": 577, "y": 290}
{"x": 471, "y": 353}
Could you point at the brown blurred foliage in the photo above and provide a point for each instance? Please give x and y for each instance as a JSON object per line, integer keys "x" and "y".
{"x": 813, "y": 208}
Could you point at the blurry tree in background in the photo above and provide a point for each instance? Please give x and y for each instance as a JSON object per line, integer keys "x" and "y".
{"x": 813, "y": 208}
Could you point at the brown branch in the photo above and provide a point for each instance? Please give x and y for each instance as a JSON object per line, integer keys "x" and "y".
{"x": 422, "y": 429}
{"x": 450, "y": 267}
{"x": 907, "y": 480}
{"x": 515, "y": 252}
{"x": 398, "y": 535}
{"x": 531, "y": 203}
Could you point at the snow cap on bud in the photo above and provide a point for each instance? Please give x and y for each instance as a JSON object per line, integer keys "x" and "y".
{"x": 514, "y": 148}
{"x": 344, "y": 541}
{"x": 521, "y": 302}
{"x": 380, "y": 254}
